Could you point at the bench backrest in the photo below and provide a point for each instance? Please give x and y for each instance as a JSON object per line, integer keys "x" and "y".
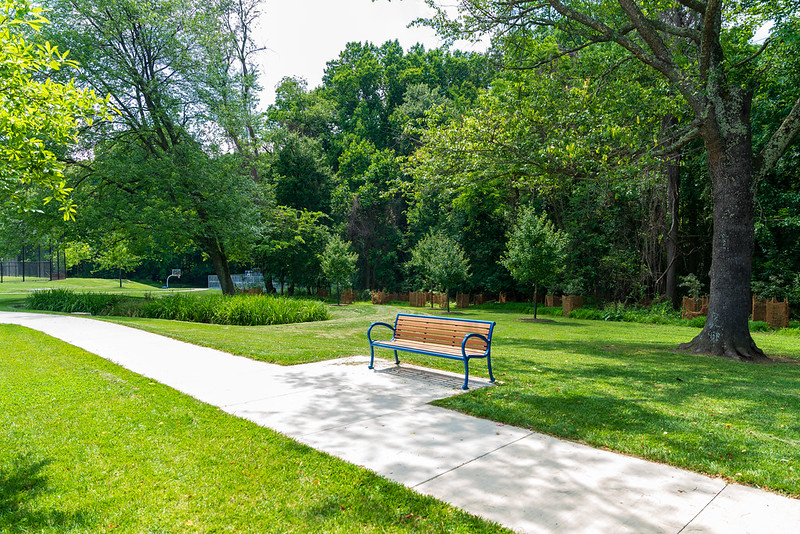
{"x": 442, "y": 330}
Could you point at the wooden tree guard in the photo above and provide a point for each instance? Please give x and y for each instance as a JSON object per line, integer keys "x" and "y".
{"x": 417, "y": 299}
{"x": 379, "y": 297}
{"x": 778, "y": 313}
{"x": 478, "y": 299}
{"x": 348, "y": 296}
{"x": 694, "y": 307}
{"x": 462, "y": 300}
{"x": 571, "y": 302}
{"x": 502, "y": 298}
{"x": 759, "y": 309}
{"x": 322, "y": 293}
{"x": 552, "y": 300}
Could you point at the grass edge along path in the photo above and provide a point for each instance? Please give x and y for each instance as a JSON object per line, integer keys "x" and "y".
{"x": 613, "y": 385}
{"x": 86, "y": 445}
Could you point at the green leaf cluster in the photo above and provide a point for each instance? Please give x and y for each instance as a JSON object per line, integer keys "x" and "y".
{"x": 36, "y": 112}
{"x": 536, "y": 249}
{"x": 441, "y": 261}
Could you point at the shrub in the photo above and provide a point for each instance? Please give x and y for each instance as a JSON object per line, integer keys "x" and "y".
{"x": 241, "y": 310}
{"x": 759, "y": 326}
{"x": 698, "y": 322}
{"x": 64, "y": 300}
{"x": 794, "y": 332}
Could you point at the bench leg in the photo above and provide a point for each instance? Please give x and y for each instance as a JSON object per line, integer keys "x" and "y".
{"x": 466, "y": 374}
{"x": 396, "y": 359}
{"x": 489, "y": 362}
{"x": 371, "y": 357}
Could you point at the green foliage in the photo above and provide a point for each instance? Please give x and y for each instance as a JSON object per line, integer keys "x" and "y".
{"x": 35, "y": 111}
{"x": 116, "y": 255}
{"x": 289, "y": 245}
{"x": 65, "y": 300}
{"x": 297, "y": 169}
{"x": 778, "y": 287}
{"x": 367, "y": 202}
{"x": 692, "y": 285}
{"x": 243, "y": 310}
{"x": 759, "y": 326}
{"x": 535, "y": 250}
{"x": 441, "y": 261}
{"x": 338, "y": 262}
{"x": 178, "y": 167}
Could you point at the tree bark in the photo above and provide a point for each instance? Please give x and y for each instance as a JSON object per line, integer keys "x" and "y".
{"x": 219, "y": 261}
{"x": 730, "y": 165}
{"x": 673, "y": 172}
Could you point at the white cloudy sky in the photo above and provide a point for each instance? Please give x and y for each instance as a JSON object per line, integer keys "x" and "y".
{"x": 301, "y": 36}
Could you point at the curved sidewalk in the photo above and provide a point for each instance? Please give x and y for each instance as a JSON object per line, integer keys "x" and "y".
{"x": 383, "y": 421}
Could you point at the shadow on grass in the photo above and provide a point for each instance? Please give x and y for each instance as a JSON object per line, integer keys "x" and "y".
{"x": 20, "y": 485}
{"x": 579, "y": 388}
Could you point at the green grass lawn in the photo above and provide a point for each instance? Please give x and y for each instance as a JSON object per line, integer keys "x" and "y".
{"x": 619, "y": 386}
{"x": 86, "y": 446}
{"x": 17, "y": 286}
{"x": 13, "y": 290}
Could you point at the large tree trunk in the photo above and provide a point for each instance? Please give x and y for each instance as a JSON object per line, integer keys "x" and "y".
{"x": 219, "y": 261}
{"x": 672, "y": 172}
{"x": 730, "y": 165}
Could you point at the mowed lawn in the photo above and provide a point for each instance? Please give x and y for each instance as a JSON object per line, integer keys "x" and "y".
{"x": 619, "y": 386}
{"x": 86, "y": 446}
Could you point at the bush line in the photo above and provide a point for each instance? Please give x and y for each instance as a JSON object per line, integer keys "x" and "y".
{"x": 240, "y": 310}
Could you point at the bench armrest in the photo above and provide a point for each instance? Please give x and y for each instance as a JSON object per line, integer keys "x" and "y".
{"x": 373, "y": 325}
{"x": 479, "y": 336}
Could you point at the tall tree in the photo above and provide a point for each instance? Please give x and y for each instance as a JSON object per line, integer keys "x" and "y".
{"x": 148, "y": 55}
{"x": 714, "y": 72}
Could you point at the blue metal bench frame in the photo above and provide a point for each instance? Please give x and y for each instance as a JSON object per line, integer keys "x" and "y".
{"x": 390, "y": 344}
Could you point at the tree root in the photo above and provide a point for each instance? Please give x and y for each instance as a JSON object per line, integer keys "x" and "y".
{"x": 745, "y": 350}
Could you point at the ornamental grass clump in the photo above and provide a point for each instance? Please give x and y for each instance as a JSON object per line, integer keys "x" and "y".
{"x": 241, "y": 310}
{"x": 64, "y": 300}
{"x": 181, "y": 308}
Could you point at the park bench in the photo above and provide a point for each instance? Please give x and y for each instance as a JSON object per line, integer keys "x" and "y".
{"x": 445, "y": 337}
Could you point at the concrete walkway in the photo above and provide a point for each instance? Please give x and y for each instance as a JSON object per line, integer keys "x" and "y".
{"x": 381, "y": 420}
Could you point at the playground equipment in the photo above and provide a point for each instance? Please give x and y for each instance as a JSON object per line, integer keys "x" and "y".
{"x": 175, "y": 272}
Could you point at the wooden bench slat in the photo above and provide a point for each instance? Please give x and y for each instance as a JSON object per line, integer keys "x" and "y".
{"x": 475, "y": 344}
{"x": 441, "y": 339}
{"x": 450, "y": 331}
{"x": 438, "y": 336}
{"x": 430, "y": 347}
{"x": 444, "y": 328}
{"x": 460, "y": 324}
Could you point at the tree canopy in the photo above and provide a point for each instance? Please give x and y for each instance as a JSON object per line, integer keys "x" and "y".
{"x": 37, "y": 114}
{"x": 535, "y": 251}
{"x": 702, "y": 50}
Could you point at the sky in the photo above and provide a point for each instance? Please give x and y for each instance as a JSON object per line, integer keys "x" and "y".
{"x": 301, "y": 36}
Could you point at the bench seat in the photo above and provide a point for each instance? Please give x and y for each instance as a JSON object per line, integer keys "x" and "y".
{"x": 445, "y": 337}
